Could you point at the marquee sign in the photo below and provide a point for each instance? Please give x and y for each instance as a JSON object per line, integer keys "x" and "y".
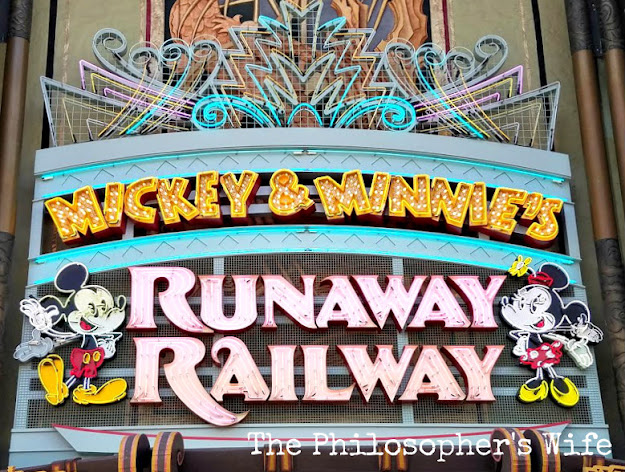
{"x": 544, "y": 327}
{"x": 300, "y": 324}
{"x": 422, "y": 200}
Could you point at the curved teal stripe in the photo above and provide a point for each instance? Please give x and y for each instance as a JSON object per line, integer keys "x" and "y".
{"x": 289, "y": 229}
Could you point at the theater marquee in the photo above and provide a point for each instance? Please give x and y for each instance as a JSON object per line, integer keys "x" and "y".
{"x": 299, "y": 233}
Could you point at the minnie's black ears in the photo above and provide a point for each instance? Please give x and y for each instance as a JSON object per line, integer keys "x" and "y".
{"x": 558, "y": 275}
{"x": 72, "y": 277}
{"x": 575, "y": 310}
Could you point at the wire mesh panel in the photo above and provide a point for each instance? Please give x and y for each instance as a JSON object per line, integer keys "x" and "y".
{"x": 32, "y": 410}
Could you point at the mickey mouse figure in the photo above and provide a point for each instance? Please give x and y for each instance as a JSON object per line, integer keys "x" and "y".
{"x": 93, "y": 315}
{"x": 544, "y": 327}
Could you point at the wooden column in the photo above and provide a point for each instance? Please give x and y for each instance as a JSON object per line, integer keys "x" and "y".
{"x": 609, "y": 258}
{"x": 11, "y": 127}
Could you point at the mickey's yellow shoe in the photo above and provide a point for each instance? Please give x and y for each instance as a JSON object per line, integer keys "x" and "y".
{"x": 529, "y": 394}
{"x": 564, "y": 392}
{"x": 50, "y": 371}
{"x": 112, "y": 391}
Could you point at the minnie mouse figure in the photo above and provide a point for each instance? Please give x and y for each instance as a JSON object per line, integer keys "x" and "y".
{"x": 93, "y": 316}
{"x": 544, "y": 328}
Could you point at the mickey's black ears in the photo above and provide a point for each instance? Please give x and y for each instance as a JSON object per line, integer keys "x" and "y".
{"x": 557, "y": 273}
{"x": 71, "y": 277}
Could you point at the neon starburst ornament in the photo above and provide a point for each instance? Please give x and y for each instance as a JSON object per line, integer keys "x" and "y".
{"x": 301, "y": 67}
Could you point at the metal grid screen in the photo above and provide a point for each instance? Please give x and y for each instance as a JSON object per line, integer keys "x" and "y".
{"x": 32, "y": 411}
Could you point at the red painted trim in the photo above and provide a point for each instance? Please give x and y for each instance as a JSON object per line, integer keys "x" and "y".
{"x": 221, "y": 438}
{"x": 148, "y": 19}
{"x": 446, "y": 24}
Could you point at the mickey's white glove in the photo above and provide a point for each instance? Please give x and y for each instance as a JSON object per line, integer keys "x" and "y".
{"x": 108, "y": 344}
{"x": 39, "y": 317}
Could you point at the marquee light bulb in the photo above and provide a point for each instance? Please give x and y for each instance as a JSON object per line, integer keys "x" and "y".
{"x": 378, "y": 193}
{"x": 415, "y": 199}
{"x": 503, "y": 208}
{"x": 207, "y": 197}
{"x": 136, "y": 193}
{"x": 79, "y": 217}
{"x": 546, "y": 229}
{"x": 240, "y": 192}
{"x": 345, "y": 198}
{"x": 478, "y": 209}
{"x": 288, "y": 197}
{"x": 532, "y": 207}
{"x": 452, "y": 205}
{"x": 172, "y": 199}
{"x": 114, "y": 205}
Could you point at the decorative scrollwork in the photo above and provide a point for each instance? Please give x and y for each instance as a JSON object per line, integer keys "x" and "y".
{"x": 395, "y": 113}
{"x": 215, "y": 111}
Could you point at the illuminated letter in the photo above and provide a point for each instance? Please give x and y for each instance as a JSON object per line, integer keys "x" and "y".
{"x": 240, "y": 365}
{"x": 385, "y": 369}
{"x": 287, "y": 197}
{"x": 316, "y": 378}
{"x": 476, "y": 372}
{"x": 378, "y": 193}
{"x": 453, "y": 205}
{"x": 441, "y": 381}
{"x": 297, "y": 306}
{"x": 350, "y": 307}
{"x": 172, "y": 198}
{"x": 479, "y": 301}
{"x": 76, "y": 218}
{"x": 241, "y": 192}
{"x": 207, "y": 197}
{"x": 181, "y": 375}
{"x": 343, "y": 199}
{"x": 114, "y": 206}
{"x": 282, "y": 373}
{"x": 415, "y": 199}
{"x": 173, "y": 300}
{"x": 546, "y": 229}
{"x": 532, "y": 207}
{"x": 503, "y": 208}
{"x": 136, "y": 193}
{"x": 478, "y": 211}
{"x": 212, "y": 312}
{"x": 449, "y": 312}
{"x": 395, "y": 298}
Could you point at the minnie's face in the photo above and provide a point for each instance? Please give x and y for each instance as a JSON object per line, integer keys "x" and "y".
{"x": 527, "y": 309}
{"x": 96, "y": 312}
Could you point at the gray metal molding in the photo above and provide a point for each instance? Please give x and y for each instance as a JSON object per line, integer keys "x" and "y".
{"x": 231, "y": 140}
{"x": 292, "y": 238}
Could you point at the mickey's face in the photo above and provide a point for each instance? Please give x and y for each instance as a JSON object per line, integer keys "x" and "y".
{"x": 96, "y": 311}
{"x": 527, "y": 309}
